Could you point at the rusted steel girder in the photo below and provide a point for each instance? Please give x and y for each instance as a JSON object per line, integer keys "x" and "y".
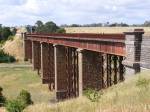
{"x": 115, "y": 63}
{"x": 92, "y": 70}
{"x": 47, "y": 64}
{"x": 66, "y": 72}
{"x": 113, "y": 69}
{"x": 72, "y": 72}
{"x": 36, "y": 55}
{"x": 28, "y": 49}
{"x": 109, "y": 70}
{"x": 105, "y": 43}
{"x": 121, "y": 69}
{"x": 101, "y": 60}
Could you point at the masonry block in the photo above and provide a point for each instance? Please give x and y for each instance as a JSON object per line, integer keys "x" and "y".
{"x": 133, "y": 50}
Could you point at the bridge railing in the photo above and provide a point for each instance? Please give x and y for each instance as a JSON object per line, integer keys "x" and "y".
{"x": 80, "y": 35}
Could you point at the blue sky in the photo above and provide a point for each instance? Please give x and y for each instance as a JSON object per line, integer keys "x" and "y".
{"x": 22, "y": 12}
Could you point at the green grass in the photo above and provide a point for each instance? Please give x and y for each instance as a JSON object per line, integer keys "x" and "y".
{"x": 13, "y": 80}
{"x": 129, "y": 96}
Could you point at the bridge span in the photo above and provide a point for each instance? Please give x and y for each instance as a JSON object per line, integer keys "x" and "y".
{"x": 71, "y": 63}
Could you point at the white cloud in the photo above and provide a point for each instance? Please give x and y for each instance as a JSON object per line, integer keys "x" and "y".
{"x": 19, "y": 12}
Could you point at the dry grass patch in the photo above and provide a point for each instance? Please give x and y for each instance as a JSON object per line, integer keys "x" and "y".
{"x": 124, "y": 97}
{"x": 14, "y": 47}
{"x": 13, "y": 80}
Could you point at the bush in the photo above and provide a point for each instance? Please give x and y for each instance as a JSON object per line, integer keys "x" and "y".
{"x": 11, "y": 38}
{"x": 25, "y": 97}
{"x": 2, "y": 98}
{"x": 14, "y": 106}
{"x": 93, "y": 95}
{"x": 20, "y": 103}
{"x": 61, "y": 30}
{"x": 143, "y": 82}
{"x": 1, "y": 89}
{"x": 6, "y": 58}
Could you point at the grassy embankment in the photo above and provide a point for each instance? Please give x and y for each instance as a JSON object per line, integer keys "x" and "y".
{"x": 133, "y": 95}
{"x": 13, "y": 80}
{"x": 124, "y": 97}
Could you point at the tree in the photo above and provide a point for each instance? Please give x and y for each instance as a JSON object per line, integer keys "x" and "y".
{"x": 14, "y": 31}
{"x": 146, "y": 23}
{"x": 39, "y": 23}
{"x": 5, "y": 33}
{"x": 48, "y": 27}
{"x": 2, "y": 98}
{"x": 61, "y": 30}
{"x": 75, "y": 25}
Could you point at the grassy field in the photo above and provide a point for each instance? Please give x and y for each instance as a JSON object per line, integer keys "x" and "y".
{"x": 13, "y": 80}
{"x": 129, "y": 96}
{"x": 104, "y": 29}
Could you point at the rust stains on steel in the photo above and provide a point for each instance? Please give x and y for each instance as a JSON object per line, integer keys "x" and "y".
{"x": 106, "y": 43}
{"x": 82, "y": 35}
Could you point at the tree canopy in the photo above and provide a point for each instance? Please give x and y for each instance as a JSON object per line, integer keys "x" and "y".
{"x": 48, "y": 27}
{"x": 5, "y": 32}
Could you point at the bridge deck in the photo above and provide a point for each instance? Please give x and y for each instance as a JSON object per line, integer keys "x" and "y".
{"x": 106, "y": 43}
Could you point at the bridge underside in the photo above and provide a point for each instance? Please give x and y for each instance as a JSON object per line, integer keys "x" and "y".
{"x": 68, "y": 70}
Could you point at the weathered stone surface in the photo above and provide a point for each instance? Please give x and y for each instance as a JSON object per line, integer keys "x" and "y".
{"x": 145, "y": 52}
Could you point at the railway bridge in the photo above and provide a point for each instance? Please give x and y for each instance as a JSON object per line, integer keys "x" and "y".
{"x": 71, "y": 63}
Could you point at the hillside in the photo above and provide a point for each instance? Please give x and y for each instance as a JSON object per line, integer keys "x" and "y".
{"x": 133, "y": 95}
{"x": 15, "y": 47}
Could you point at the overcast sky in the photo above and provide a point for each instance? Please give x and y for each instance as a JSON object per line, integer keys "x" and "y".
{"x": 21, "y": 12}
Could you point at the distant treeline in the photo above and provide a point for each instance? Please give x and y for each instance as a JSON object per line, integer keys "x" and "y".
{"x": 48, "y": 27}
{"x": 108, "y": 24}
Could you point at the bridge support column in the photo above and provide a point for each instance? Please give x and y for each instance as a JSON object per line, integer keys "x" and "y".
{"x": 36, "y": 55}
{"x": 80, "y": 70}
{"x": 60, "y": 72}
{"x": 72, "y": 72}
{"x": 113, "y": 69}
{"x": 133, "y": 51}
{"x": 27, "y": 46}
{"x": 92, "y": 70}
{"x": 47, "y": 64}
{"x": 23, "y": 35}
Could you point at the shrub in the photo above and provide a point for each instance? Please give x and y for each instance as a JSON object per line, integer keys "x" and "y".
{"x": 6, "y": 58}
{"x": 25, "y": 97}
{"x": 93, "y": 95}
{"x": 20, "y": 103}
{"x": 1, "y": 89}
{"x": 61, "y": 30}
{"x": 14, "y": 106}
{"x": 11, "y": 38}
{"x": 2, "y": 98}
{"x": 143, "y": 82}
